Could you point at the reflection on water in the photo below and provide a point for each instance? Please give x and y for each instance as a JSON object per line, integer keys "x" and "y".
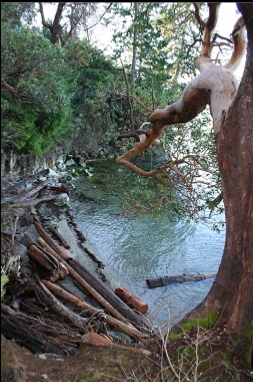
{"x": 146, "y": 247}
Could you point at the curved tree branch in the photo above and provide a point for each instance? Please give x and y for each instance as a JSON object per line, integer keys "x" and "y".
{"x": 215, "y": 86}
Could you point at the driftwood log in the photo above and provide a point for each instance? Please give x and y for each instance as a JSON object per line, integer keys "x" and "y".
{"x": 167, "y": 280}
{"x": 12, "y": 328}
{"x": 63, "y": 254}
{"x": 48, "y": 262}
{"x": 131, "y": 300}
{"x": 39, "y": 334}
{"x": 90, "y": 310}
{"x": 54, "y": 304}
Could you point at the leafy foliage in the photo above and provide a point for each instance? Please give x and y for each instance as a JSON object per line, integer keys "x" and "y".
{"x": 36, "y": 92}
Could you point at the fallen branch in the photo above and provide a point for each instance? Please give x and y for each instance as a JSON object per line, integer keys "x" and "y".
{"x": 32, "y": 192}
{"x": 34, "y": 202}
{"x": 59, "y": 189}
{"x": 95, "y": 339}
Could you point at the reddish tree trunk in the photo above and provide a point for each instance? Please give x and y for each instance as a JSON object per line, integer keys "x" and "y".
{"x": 232, "y": 291}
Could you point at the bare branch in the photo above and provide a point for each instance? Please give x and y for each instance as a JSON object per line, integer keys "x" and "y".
{"x": 44, "y": 22}
{"x": 197, "y": 15}
{"x": 107, "y": 9}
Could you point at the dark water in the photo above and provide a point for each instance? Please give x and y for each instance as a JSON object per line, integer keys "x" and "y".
{"x": 146, "y": 247}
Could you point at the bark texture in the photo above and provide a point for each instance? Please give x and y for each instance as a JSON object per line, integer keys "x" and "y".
{"x": 232, "y": 291}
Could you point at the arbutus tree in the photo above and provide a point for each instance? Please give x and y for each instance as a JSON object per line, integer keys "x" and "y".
{"x": 230, "y": 106}
{"x": 68, "y": 20}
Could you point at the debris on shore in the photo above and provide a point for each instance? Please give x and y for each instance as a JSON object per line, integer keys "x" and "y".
{"x": 53, "y": 297}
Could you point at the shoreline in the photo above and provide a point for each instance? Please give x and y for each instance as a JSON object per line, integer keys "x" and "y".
{"x": 56, "y": 213}
{"x": 38, "y": 211}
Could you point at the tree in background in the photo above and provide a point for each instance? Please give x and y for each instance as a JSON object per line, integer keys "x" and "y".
{"x": 230, "y": 107}
{"x": 36, "y": 90}
{"x": 69, "y": 20}
{"x": 49, "y": 89}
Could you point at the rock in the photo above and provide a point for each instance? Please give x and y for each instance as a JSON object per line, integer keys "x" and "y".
{"x": 70, "y": 162}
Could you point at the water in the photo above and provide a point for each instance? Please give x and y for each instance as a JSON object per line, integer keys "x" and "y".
{"x": 146, "y": 247}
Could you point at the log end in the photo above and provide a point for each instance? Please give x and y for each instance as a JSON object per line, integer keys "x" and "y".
{"x": 131, "y": 300}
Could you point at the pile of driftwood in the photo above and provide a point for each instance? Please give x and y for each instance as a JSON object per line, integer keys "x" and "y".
{"x": 44, "y": 315}
{"x": 57, "y": 261}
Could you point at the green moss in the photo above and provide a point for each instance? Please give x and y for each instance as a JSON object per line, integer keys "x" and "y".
{"x": 173, "y": 336}
{"x": 206, "y": 322}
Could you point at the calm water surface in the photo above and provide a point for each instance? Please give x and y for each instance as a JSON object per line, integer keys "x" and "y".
{"x": 146, "y": 247}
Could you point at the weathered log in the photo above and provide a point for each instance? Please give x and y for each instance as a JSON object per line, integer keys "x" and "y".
{"x": 131, "y": 300}
{"x": 59, "y": 237}
{"x": 40, "y": 258}
{"x": 85, "y": 284}
{"x": 48, "y": 262}
{"x": 63, "y": 254}
{"x": 90, "y": 310}
{"x": 47, "y": 297}
{"x": 32, "y": 192}
{"x": 167, "y": 280}
{"x": 107, "y": 294}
